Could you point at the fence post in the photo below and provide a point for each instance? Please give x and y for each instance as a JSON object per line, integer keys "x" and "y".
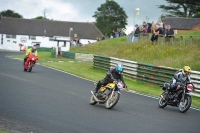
{"x": 172, "y": 40}
{"x": 191, "y": 39}
{"x": 181, "y": 40}
{"x": 163, "y": 42}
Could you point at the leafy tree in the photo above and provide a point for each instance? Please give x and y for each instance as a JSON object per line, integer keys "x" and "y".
{"x": 181, "y": 8}
{"x": 197, "y": 15}
{"x": 41, "y": 18}
{"x": 110, "y": 16}
{"x": 10, "y": 13}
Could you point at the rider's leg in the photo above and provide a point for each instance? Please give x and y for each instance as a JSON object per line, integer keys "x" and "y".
{"x": 99, "y": 84}
{"x": 25, "y": 58}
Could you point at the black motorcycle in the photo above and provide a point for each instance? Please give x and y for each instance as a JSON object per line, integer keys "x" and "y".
{"x": 179, "y": 97}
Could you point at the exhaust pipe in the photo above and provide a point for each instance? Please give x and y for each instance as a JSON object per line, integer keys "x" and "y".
{"x": 97, "y": 100}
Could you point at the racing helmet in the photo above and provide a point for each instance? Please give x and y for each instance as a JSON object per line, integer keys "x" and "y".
{"x": 34, "y": 49}
{"x": 186, "y": 70}
{"x": 119, "y": 68}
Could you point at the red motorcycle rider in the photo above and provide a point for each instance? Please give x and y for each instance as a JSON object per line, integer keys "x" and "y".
{"x": 32, "y": 50}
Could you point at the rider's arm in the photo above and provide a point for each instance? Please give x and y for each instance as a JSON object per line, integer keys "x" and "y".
{"x": 109, "y": 73}
{"x": 28, "y": 51}
{"x": 176, "y": 76}
{"x": 189, "y": 79}
{"x": 36, "y": 53}
{"x": 122, "y": 79}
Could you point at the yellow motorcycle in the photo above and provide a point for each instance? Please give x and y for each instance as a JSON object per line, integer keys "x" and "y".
{"x": 108, "y": 95}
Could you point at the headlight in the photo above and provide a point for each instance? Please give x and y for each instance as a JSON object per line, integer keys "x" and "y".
{"x": 33, "y": 59}
{"x": 120, "y": 85}
{"x": 189, "y": 87}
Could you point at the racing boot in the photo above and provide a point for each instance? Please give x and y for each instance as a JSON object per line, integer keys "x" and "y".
{"x": 95, "y": 88}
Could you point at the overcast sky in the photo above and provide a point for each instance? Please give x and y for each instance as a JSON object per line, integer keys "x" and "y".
{"x": 83, "y": 10}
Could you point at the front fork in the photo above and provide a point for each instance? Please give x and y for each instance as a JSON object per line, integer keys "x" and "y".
{"x": 183, "y": 96}
{"x": 112, "y": 93}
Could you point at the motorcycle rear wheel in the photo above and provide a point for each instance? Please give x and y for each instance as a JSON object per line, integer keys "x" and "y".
{"x": 92, "y": 101}
{"x": 184, "y": 106}
{"x": 112, "y": 101}
{"x": 161, "y": 102}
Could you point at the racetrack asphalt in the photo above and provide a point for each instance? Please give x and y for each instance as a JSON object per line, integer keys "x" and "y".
{"x": 50, "y": 101}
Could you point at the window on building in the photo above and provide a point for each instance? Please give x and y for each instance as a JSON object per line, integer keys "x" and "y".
{"x": 11, "y": 36}
{"x": 51, "y": 39}
{"x": 32, "y": 37}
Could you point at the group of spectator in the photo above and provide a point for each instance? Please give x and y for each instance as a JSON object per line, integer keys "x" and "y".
{"x": 114, "y": 34}
{"x": 161, "y": 29}
{"x": 75, "y": 42}
{"x": 117, "y": 33}
{"x": 157, "y": 29}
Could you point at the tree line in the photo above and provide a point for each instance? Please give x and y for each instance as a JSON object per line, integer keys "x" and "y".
{"x": 110, "y": 16}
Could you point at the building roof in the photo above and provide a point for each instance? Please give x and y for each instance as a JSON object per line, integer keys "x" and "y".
{"x": 182, "y": 23}
{"x": 34, "y": 27}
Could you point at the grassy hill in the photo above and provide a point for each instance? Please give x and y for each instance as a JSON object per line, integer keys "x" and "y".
{"x": 175, "y": 56}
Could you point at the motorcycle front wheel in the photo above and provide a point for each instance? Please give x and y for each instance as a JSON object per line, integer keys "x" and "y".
{"x": 161, "y": 102}
{"x": 30, "y": 66}
{"x": 185, "y": 105}
{"x": 112, "y": 101}
{"x": 25, "y": 69}
{"x": 92, "y": 101}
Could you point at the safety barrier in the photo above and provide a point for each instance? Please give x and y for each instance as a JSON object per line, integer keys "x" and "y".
{"x": 68, "y": 54}
{"x": 148, "y": 73}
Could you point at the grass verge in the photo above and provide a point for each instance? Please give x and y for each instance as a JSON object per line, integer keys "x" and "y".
{"x": 3, "y": 131}
{"x": 176, "y": 56}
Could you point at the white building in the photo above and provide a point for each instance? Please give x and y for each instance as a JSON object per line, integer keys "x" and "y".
{"x": 15, "y": 32}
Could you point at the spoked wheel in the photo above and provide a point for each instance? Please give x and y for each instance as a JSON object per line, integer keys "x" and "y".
{"x": 185, "y": 104}
{"x": 161, "y": 101}
{"x": 112, "y": 101}
{"x": 92, "y": 101}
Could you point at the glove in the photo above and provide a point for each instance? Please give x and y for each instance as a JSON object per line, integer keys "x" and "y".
{"x": 125, "y": 86}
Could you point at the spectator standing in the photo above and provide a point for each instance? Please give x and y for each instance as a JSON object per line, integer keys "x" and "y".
{"x": 156, "y": 32}
{"x": 169, "y": 31}
{"x": 145, "y": 29}
{"x": 149, "y": 28}
{"x": 136, "y": 33}
{"x": 113, "y": 34}
{"x": 152, "y": 26}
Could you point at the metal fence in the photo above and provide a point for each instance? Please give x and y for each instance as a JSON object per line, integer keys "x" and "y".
{"x": 148, "y": 73}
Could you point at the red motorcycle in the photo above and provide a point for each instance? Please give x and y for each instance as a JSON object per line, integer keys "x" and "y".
{"x": 30, "y": 62}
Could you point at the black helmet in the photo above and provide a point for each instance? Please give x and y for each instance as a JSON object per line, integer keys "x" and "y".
{"x": 34, "y": 48}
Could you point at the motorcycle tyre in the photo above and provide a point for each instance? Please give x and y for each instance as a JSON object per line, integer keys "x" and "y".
{"x": 159, "y": 100}
{"x": 189, "y": 102}
{"x": 30, "y": 67}
{"x": 92, "y": 101}
{"x": 115, "y": 102}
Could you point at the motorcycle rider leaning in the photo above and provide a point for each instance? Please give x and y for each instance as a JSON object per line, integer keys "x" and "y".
{"x": 180, "y": 77}
{"x": 112, "y": 76}
{"x": 31, "y": 50}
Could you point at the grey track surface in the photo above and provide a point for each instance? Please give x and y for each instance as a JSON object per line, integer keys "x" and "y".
{"x": 49, "y": 101}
